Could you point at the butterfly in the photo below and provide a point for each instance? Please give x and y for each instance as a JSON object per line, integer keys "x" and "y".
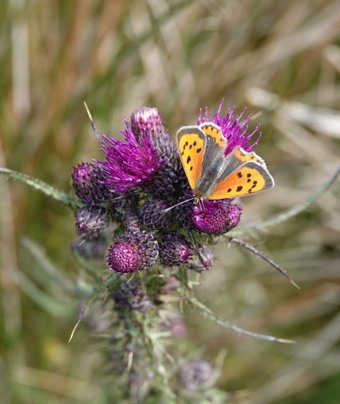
{"x": 212, "y": 174}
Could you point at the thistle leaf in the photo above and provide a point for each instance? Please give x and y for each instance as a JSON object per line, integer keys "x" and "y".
{"x": 43, "y": 187}
{"x": 228, "y": 325}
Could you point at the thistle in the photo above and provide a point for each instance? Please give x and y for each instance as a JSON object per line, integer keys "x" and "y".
{"x": 147, "y": 164}
{"x": 150, "y": 222}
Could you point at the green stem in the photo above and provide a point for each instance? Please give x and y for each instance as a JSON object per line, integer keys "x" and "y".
{"x": 161, "y": 382}
{"x": 43, "y": 187}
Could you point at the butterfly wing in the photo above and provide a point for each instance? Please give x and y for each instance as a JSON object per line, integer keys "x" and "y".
{"x": 237, "y": 158}
{"x": 191, "y": 142}
{"x": 250, "y": 177}
{"x": 213, "y": 131}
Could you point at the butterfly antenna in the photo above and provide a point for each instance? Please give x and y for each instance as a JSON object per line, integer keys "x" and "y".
{"x": 178, "y": 204}
{"x": 93, "y": 125}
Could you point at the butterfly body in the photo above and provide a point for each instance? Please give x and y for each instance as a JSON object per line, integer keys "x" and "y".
{"x": 212, "y": 174}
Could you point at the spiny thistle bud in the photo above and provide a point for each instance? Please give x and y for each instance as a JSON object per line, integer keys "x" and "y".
{"x": 167, "y": 180}
{"x": 147, "y": 121}
{"x": 203, "y": 260}
{"x": 195, "y": 373}
{"x": 184, "y": 209}
{"x": 87, "y": 180}
{"x": 215, "y": 217}
{"x": 174, "y": 249}
{"x": 121, "y": 204}
{"x": 90, "y": 248}
{"x": 133, "y": 252}
{"x": 153, "y": 215}
{"x": 91, "y": 221}
{"x": 131, "y": 223}
{"x": 131, "y": 295}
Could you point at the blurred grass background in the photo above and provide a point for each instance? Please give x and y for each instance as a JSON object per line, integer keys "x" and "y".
{"x": 281, "y": 59}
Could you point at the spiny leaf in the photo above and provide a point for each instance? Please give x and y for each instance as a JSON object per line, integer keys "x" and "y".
{"x": 43, "y": 187}
{"x": 255, "y": 251}
{"x": 228, "y": 325}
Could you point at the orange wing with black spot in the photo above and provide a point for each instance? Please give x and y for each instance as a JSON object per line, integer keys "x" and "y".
{"x": 214, "y": 131}
{"x": 244, "y": 156}
{"x": 249, "y": 178}
{"x": 191, "y": 142}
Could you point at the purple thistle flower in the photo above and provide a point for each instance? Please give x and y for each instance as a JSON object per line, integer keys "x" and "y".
{"x": 130, "y": 162}
{"x": 216, "y": 217}
{"x": 147, "y": 122}
{"x": 234, "y": 128}
{"x": 133, "y": 252}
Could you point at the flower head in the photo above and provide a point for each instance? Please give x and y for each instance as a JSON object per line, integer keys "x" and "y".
{"x": 174, "y": 249}
{"x": 142, "y": 187}
{"x": 130, "y": 295}
{"x": 216, "y": 217}
{"x": 234, "y": 128}
{"x": 153, "y": 215}
{"x": 88, "y": 182}
{"x": 130, "y": 162}
{"x": 91, "y": 220}
{"x": 148, "y": 122}
{"x": 133, "y": 252}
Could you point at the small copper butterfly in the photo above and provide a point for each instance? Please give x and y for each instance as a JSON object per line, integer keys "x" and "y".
{"x": 210, "y": 173}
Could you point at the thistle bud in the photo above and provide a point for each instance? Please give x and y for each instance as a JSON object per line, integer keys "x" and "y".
{"x": 87, "y": 181}
{"x": 215, "y": 217}
{"x": 134, "y": 251}
{"x": 153, "y": 215}
{"x": 195, "y": 373}
{"x": 174, "y": 249}
{"x": 91, "y": 221}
